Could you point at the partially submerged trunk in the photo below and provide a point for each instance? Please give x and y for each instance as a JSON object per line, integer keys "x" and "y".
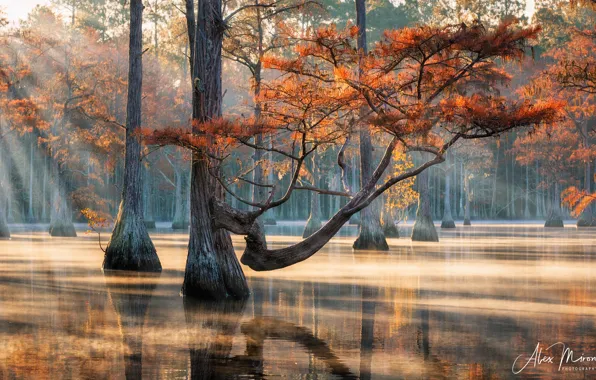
{"x": 390, "y": 229}
{"x": 4, "y": 230}
{"x": 314, "y": 220}
{"x": 424, "y": 228}
{"x": 370, "y": 233}
{"x": 554, "y": 215}
{"x": 212, "y": 269}
{"x": 447, "y": 221}
{"x": 130, "y": 298}
{"x": 61, "y": 214}
{"x": 130, "y": 247}
{"x": 181, "y": 209}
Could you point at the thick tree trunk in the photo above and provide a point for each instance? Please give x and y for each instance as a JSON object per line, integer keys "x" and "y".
{"x": 447, "y": 221}
{"x": 61, "y": 214}
{"x": 4, "y": 230}
{"x": 370, "y": 234}
{"x": 130, "y": 247}
{"x": 554, "y": 216}
{"x": 181, "y": 210}
{"x": 212, "y": 269}
{"x": 424, "y": 228}
{"x": 130, "y": 298}
{"x": 468, "y": 191}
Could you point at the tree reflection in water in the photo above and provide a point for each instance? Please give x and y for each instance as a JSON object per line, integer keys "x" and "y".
{"x": 130, "y": 294}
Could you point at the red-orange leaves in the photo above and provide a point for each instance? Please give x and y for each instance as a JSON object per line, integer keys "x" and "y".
{"x": 480, "y": 115}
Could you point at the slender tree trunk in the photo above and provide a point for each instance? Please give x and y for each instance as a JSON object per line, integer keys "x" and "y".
{"x": 313, "y": 224}
{"x": 44, "y": 197}
{"x": 30, "y": 216}
{"x": 447, "y": 221}
{"x": 424, "y": 228}
{"x": 468, "y": 192}
{"x": 554, "y": 215}
{"x": 61, "y": 214}
{"x": 212, "y": 269}
{"x": 493, "y": 203}
{"x": 181, "y": 211}
{"x": 586, "y": 219}
{"x": 4, "y": 230}
{"x": 527, "y": 195}
{"x": 148, "y": 196}
{"x": 370, "y": 234}
{"x": 130, "y": 247}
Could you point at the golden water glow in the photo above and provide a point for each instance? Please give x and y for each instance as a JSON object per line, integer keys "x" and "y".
{"x": 461, "y": 308}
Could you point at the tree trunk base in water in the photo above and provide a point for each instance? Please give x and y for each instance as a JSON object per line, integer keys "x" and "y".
{"x": 150, "y": 224}
{"x": 269, "y": 222}
{"x": 130, "y": 248}
{"x": 390, "y": 230}
{"x": 177, "y": 225}
{"x": 62, "y": 229}
{"x": 232, "y": 272}
{"x": 4, "y": 231}
{"x": 369, "y": 240}
{"x": 586, "y": 220}
{"x": 554, "y": 223}
{"x": 424, "y": 230}
{"x": 467, "y": 222}
{"x": 447, "y": 224}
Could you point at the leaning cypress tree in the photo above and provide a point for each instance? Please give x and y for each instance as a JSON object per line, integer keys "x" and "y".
{"x": 130, "y": 247}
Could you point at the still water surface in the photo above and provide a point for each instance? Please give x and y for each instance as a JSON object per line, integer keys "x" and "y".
{"x": 464, "y": 308}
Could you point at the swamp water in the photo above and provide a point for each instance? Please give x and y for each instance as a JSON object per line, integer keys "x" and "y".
{"x": 464, "y": 308}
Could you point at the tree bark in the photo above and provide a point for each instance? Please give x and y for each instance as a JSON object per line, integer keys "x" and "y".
{"x": 447, "y": 221}
{"x": 212, "y": 269}
{"x": 130, "y": 247}
{"x": 554, "y": 216}
{"x": 370, "y": 233}
{"x": 424, "y": 228}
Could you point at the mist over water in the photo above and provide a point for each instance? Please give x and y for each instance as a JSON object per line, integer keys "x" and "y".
{"x": 462, "y": 308}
